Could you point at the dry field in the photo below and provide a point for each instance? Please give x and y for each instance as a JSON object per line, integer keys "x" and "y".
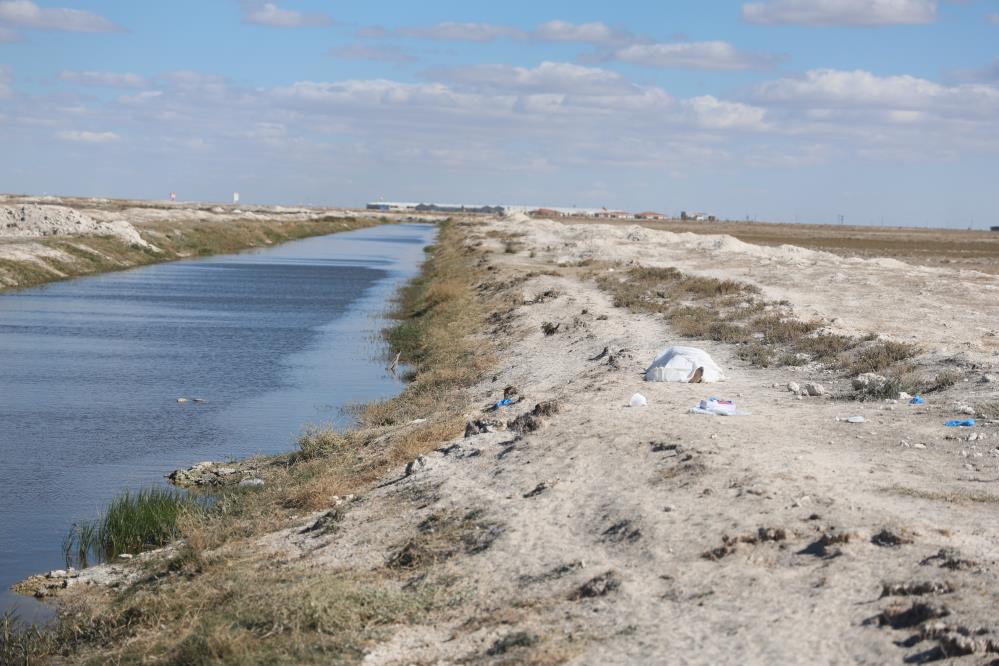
{"x": 952, "y": 248}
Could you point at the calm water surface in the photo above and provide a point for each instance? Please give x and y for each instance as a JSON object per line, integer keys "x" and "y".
{"x": 91, "y": 369}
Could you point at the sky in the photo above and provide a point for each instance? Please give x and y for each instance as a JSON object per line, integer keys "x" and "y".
{"x": 880, "y": 111}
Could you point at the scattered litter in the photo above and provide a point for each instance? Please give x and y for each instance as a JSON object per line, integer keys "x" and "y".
{"x": 717, "y": 407}
{"x": 689, "y": 365}
{"x": 505, "y": 402}
{"x": 852, "y": 419}
{"x": 917, "y": 400}
{"x": 638, "y": 400}
{"x": 251, "y": 483}
{"x": 961, "y": 423}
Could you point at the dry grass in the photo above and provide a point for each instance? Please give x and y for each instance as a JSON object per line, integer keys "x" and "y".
{"x": 247, "y": 611}
{"x": 705, "y": 308}
{"x": 881, "y": 355}
{"x": 441, "y": 536}
{"x": 988, "y": 410}
{"x": 953, "y": 497}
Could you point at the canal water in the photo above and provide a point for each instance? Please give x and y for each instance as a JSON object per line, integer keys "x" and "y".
{"x": 91, "y": 370}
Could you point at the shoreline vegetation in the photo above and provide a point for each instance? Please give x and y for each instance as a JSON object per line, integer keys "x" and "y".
{"x": 78, "y": 256}
{"x": 210, "y": 598}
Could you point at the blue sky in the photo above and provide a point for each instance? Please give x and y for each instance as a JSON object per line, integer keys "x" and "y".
{"x": 776, "y": 109}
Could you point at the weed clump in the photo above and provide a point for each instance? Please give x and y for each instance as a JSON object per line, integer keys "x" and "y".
{"x": 132, "y": 523}
{"x": 321, "y": 442}
{"x": 19, "y": 644}
{"x": 881, "y": 355}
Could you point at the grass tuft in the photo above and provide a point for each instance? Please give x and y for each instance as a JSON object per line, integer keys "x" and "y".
{"x": 881, "y": 355}
{"x": 322, "y": 441}
{"x": 132, "y": 523}
{"x": 20, "y": 644}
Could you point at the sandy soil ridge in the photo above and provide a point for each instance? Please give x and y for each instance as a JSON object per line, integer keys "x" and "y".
{"x": 650, "y": 535}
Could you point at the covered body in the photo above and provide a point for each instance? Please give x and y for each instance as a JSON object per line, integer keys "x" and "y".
{"x": 678, "y": 364}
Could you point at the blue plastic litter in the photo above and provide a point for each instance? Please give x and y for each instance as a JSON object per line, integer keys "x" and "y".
{"x": 961, "y": 423}
{"x": 506, "y": 402}
{"x": 917, "y": 400}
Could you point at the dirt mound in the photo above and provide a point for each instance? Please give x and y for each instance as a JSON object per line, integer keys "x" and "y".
{"x": 36, "y": 221}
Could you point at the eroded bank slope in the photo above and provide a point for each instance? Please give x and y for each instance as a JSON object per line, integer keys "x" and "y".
{"x": 569, "y": 527}
{"x": 48, "y": 238}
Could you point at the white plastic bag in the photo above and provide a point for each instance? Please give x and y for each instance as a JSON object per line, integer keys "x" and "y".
{"x": 638, "y": 400}
{"x": 678, "y": 364}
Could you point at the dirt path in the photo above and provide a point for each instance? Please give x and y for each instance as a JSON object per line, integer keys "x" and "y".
{"x": 612, "y": 534}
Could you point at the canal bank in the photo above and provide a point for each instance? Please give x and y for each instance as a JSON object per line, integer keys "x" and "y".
{"x": 50, "y": 239}
{"x": 268, "y": 341}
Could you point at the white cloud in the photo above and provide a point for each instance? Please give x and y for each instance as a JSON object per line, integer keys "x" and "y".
{"x": 691, "y": 55}
{"x": 830, "y": 88}
{"x": 548, "y": 77}
{"x": 106, "y": 79}
{"x": 588, "y": 33}
{"x": 139, "y": 98}
{"x": 6, "y": 81}
{"x": 841, "y": 12}
{"x": 27, "y": 14}
{"x": 373, "y": 53}
{"x": 465, "y": 32}
{"x": 711, "y": 113}
{"x": 87, "y": 137}
{"x": 270, "y": 15}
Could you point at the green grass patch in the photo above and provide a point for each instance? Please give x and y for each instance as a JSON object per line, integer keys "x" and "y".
{"x": 132, "y": 523}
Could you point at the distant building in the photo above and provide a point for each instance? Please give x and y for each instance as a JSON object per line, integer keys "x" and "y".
{"x": 697, "y": 217}
{"x": 613, "y": 215}
{"x": 400, "y": 207}
{"x": 650, "y": 215}
{"x": 546, "y": 213}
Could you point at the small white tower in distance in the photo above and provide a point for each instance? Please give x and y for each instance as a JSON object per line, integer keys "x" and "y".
{"x": 235, "y": 198}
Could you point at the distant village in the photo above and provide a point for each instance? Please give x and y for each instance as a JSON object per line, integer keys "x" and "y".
{"x": 532, "y": 211}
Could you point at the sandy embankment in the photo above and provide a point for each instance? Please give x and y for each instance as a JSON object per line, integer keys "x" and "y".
{"x": 763, "y": 539}
{"x": 611, "y": 534}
